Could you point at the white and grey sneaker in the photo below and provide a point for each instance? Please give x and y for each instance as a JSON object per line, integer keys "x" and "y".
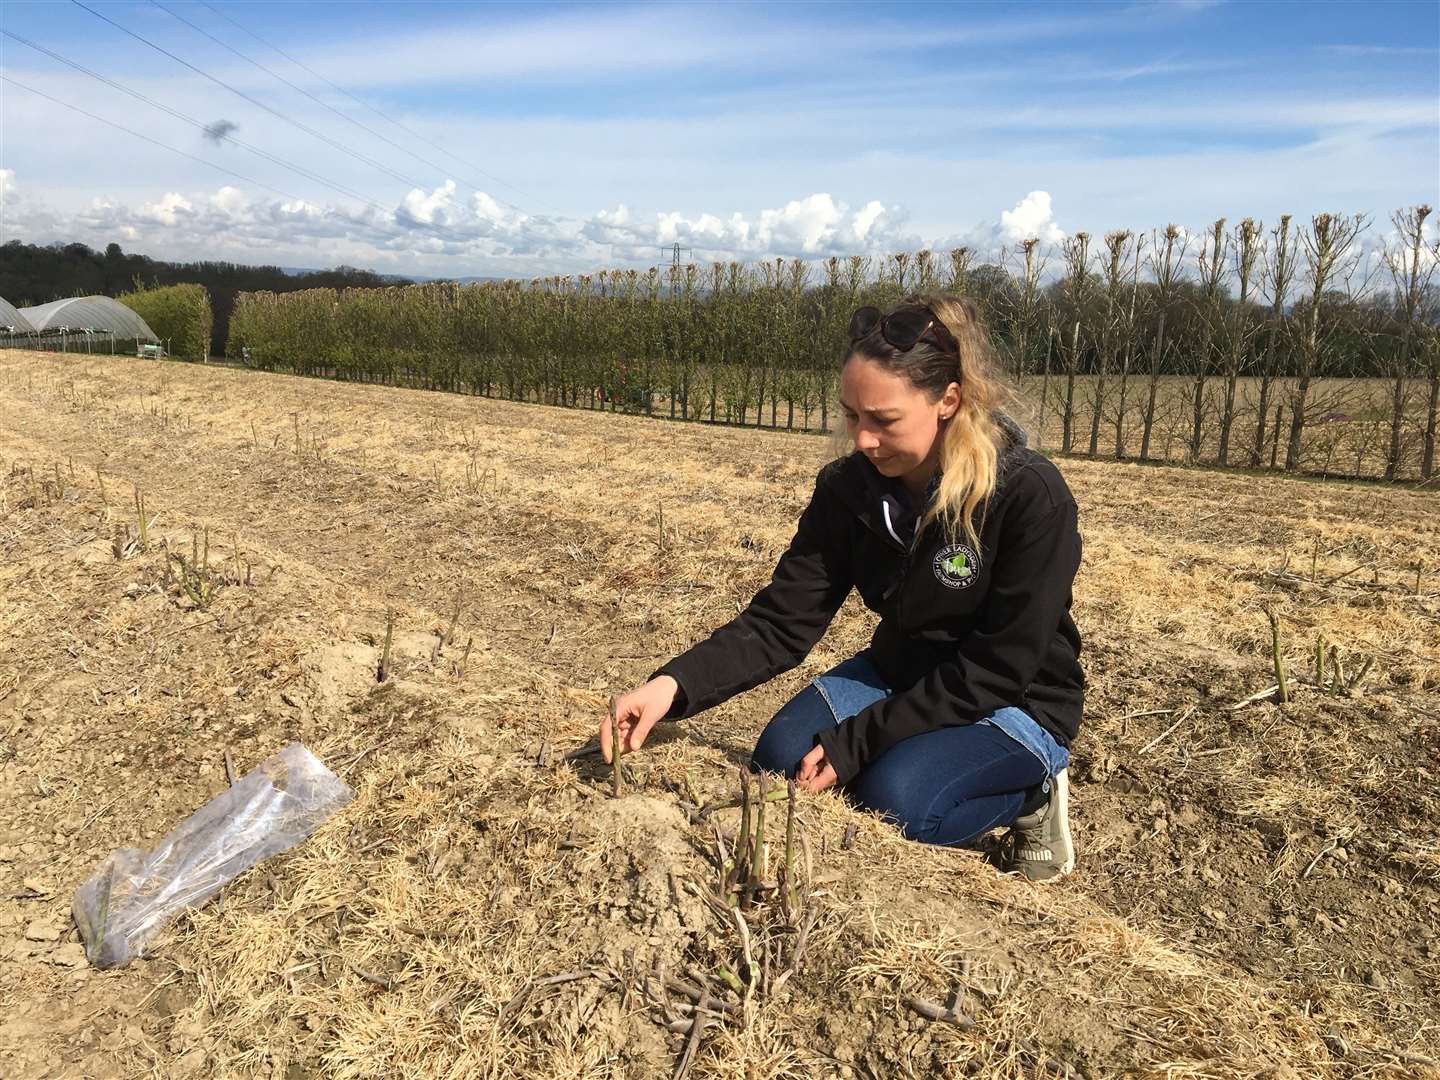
{"x": 1043, "y": 848}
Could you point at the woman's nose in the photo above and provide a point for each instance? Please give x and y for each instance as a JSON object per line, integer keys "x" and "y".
{"x": 866, "y": 440}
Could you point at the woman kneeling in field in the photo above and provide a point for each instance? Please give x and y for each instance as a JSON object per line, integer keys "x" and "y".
{"x": 957, "y": 717}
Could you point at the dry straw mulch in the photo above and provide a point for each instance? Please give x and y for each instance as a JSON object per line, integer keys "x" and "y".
{"x": 1258, "y": 890}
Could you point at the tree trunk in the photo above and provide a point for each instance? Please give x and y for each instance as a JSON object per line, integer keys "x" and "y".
{"x": 1297, "y": 423}
{"x": 1227, "y": 418}
{"x": 1197, "y": 428}
{"x": 1149, "y": 423}
{"x": 1432, "y": 413}
{"x": 1069, "y": 418}
{"x": 1045, "y": 388}
{"x": 1099, "y": 408}
{"x": 1120, "y": 410}
{"x": 1257, "y": 455}
{"x": 1397, "y": 417}
{"x": 1154, "y": 389}
{"x": 1068, "y": 421}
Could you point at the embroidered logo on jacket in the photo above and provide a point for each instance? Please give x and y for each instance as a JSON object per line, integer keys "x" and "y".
{"x": 956, "y": 566}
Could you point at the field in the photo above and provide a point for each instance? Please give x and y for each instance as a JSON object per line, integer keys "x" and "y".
{"x": 1259, "y": 886}
{"x": 1346, "y": 434}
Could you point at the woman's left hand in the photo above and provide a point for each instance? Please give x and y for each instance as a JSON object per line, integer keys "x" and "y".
{"x": 815, "y": 773}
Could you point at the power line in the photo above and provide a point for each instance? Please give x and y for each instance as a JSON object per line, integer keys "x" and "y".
{"x": 155, "y": 142}
{"x": 426, "y": 226}
{"x": 366, "y": 105}
{"x": 298, "y": 169}
{"x": 256, "y": 101}
{"x": 319, "y": 101}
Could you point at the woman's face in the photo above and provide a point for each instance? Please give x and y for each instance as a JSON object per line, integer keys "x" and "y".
{"x": 893, "y": 424}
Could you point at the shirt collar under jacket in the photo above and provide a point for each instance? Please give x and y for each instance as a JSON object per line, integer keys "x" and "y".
{"x": 899, "y": 515}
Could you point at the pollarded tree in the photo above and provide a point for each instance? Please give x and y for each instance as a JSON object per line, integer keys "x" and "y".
{"x": 957, "y": 280}
{"x": 1020, "y": 305}
{"x": 1240, "y": 326}
{"x": 1166, "y": 262}
{"x": 1411, "y": 262}
{"x": 1077, "y": 290}
{"x": 1129, "y": 336}
{"x": 899, "y": 272}
{"x": 1114, "y": 266}
{"x": 714, "y": 338}
{"x": 679, "y": 318}
{"x": 738, "y": 378}
{"x": 926, "y": 273}
{"x": 1278, "y": 275}
{"x": 766, "y": 315}
{"x": 1212, "y": 266}
{"x": 1330, "y": 257}
{"x": 795, "y": 341}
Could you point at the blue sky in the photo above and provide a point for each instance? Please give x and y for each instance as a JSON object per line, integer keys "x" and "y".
{"x": 591, "y": 134}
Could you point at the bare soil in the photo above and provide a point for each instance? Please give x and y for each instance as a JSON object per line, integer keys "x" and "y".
{"x": 1258, "y": 890}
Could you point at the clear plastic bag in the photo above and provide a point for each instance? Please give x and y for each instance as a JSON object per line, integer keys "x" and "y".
{"x": 135, "y": 894}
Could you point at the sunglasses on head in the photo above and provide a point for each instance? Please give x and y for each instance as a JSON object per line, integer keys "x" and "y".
{"x": 902, "y": 329}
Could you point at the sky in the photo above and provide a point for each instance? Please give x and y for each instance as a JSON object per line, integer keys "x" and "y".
{"x": 463, "y": 139}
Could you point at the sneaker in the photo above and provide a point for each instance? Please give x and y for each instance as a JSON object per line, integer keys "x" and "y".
{"x": 1043, "y": 848}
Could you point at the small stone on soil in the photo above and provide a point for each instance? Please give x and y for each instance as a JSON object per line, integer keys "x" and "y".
{"x": 69, "y": 955}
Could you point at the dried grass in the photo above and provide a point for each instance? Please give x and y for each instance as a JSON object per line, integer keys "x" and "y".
{"x": 394, "y": 942}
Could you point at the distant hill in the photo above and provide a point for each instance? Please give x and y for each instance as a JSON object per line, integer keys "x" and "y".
{"x": 35, "y": 274}
{"x": 400, "y": 279}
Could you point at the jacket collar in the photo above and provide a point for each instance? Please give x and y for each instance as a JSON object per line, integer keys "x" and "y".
{"x": 866, "y": 492}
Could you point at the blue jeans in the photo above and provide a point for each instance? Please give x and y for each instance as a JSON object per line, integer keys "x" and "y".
{"x": 943, "y": 787}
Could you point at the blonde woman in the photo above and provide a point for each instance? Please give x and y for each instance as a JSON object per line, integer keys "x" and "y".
{"x": 958, "y": 716}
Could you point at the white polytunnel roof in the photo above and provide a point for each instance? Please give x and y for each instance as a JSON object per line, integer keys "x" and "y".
{"x": 10, "y": 316}
{"x": 89, "y": 313}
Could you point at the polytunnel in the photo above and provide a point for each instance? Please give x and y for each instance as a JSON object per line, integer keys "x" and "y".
{"x": 11, "y": 321}
{"x": 89, "y": 313}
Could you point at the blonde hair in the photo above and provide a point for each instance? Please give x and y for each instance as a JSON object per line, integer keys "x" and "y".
{"x": 972, "y": 438}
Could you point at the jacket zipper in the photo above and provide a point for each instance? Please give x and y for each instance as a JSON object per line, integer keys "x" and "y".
{"x": 906, "y": 560}
{"x": 908, "y": 554}
{"x": 905, "y": 575}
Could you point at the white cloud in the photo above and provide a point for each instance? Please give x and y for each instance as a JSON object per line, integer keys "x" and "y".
{"x": 816, "y": 226}
{"x": 866, "y": 219}
{"x": 231, "y": 200}
{"x": 436, "y": 232}
{"x": 1032, "y": 216}
{"x": 171, "y": 208}
{"x": 430, "y": 209}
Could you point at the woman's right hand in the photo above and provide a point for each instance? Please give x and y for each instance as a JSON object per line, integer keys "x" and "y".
{"x": 637, "y": 712}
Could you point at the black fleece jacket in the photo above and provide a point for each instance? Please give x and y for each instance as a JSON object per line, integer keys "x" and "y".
{"x": 962, "y": 633}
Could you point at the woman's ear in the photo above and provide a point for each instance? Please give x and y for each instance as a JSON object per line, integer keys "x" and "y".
{"x": 950, "y": 401}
